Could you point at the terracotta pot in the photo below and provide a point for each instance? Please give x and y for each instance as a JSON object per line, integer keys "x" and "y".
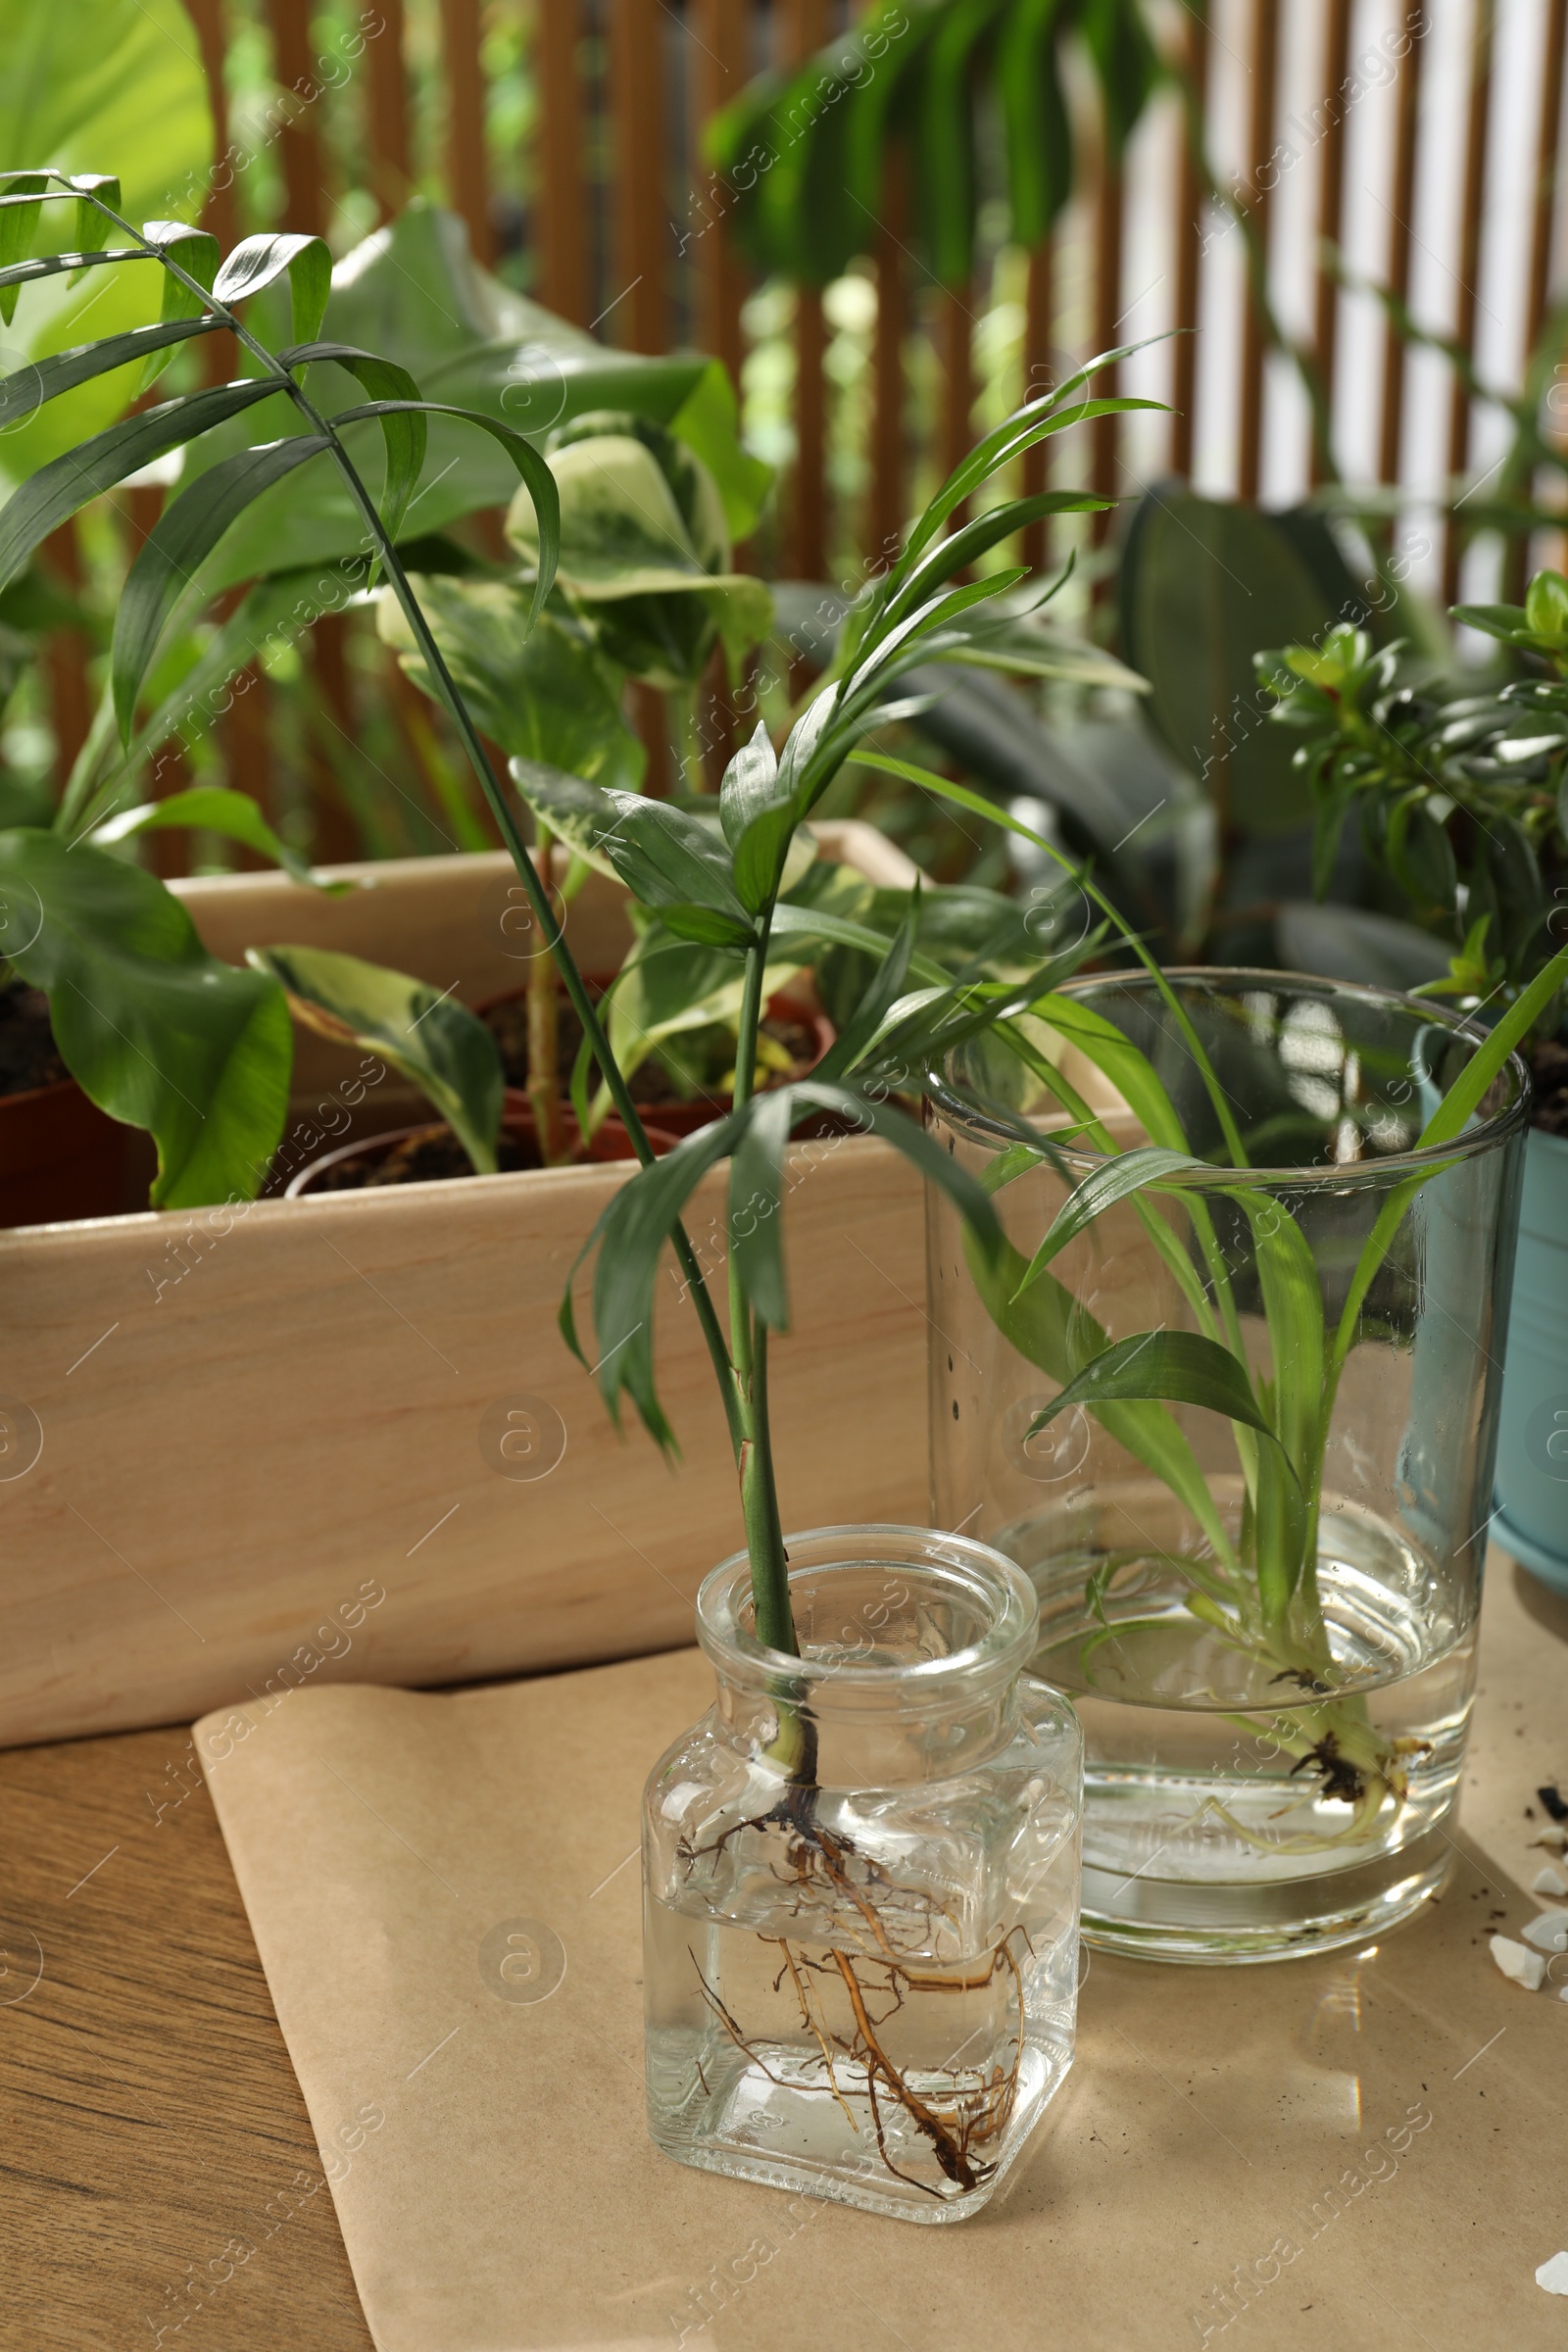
{"x": 61, "y": 1157}
{"x": 612, "y": 1142}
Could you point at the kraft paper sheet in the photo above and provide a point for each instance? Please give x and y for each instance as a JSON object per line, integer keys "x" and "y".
{"x": 1353, "y": 2150}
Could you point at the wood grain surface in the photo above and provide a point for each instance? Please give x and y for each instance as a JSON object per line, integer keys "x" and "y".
{"x": 149, "y": 2114}
{"x": 148, "y": 2111}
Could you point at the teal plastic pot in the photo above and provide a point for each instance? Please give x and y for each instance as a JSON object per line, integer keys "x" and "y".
{"x": 1531, "y": 1494}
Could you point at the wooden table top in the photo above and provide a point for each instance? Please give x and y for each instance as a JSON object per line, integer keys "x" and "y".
{"x": 148, "y": 2110}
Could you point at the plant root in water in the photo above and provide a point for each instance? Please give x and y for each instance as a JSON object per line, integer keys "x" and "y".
{"x": 891, "y": 1930}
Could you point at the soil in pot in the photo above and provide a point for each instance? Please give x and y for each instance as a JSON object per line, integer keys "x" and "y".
{"x": 61, "y": 1157}
{"x": 29, "y": 1055}
{"x": 803, "y": 1036}
{"x": 431, "y": 1153}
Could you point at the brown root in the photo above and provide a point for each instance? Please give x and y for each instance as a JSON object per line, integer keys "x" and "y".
{"x": 891, "y": 1930}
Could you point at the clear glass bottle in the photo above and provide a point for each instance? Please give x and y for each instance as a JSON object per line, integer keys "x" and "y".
{"x": 861, "y": 1971}
{"x": 1274, "y": 1744}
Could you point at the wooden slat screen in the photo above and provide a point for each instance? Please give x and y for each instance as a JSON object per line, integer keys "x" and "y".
{"x": 620, "y": 224}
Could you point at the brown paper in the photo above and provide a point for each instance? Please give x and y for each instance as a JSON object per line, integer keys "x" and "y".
{"x": 1339, "y": 2152}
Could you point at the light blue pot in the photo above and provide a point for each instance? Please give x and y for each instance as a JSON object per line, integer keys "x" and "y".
{"x": 1532, "y": 1491}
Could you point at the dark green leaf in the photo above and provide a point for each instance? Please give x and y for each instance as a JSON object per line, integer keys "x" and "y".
{"x": 57, "y": 265}
{"x": 52, "y": 495}
{"x": 964, "y": 547}
{"x": 211, "y": 809}
{"x": 666, "y": 858}
{"x": 159, "y": 1033}
{"x": 22, "y": 393}
{"x": 195, "y": 250}
{"x": 1351, "y": 942}
{"x": 543, "y": 692}
{"x": 887, "y": 986}
{"x": 706, "y": 926}
{"x": 1034, "y": 113}
{"x": 630, "y": 1236}
{"x": 174, "y": 550}
{"x": 946, "y": 182}
{"x": 439, "y": 1045}
{"x": 1050, "y": 1329}
{"x": 256, "y": 262}
{"x": 537, "y": 478}
{"x": 19, "y": 223}
{"x": 209, "y": 689}
{"x": 90, "y": 184}
{"x": 413, "y": 293}
{"x": 1175, "y": 1367}
{"x": 756, "y": 1207}
{"x": 1205, "y": 585}
{"x": 750, "y": 785}
{"x": 404, "y": 430}
{"x": 1127, "y": 62}
{"x": 1101, "y": 1190}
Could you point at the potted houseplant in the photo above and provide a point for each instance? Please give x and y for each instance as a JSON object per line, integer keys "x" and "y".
{"x": 119, "y": 1018}
{"x": 274, "y": 1308}
{"x": 957, "y": 1907}
{"x": 1462, "y": 800}
{"x": 1265, "y": 1278}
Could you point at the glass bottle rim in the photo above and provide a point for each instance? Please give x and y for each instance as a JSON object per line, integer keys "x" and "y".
{"x": 1388, "y": 1168}
{"x": 992, "y": 1582}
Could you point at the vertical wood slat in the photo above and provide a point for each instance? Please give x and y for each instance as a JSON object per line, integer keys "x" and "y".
{"x": 1554, "y": 56}
{"x": 1330, "y": 227}
{"x": 1263, "y": 49}
{"x": 65, "y": 657}
{"x": 721, "y": 69}
{"x": 638, "y": 299}
{"x": 1039, "y": 373}
{"x": 1191, "y": 209}
{"x": 305, "y": 198}
{"x": 636, "y": 311}
{"x": 221, "y": 212}
{"x": 1104, "y": 470}
{"x": 561, "y": 198}
{"x": 1548, "y": 139}
{"x": 887, "y": 516}
{"x": 719, "y": 29}
{"x": 468, "y": 173}
{"x": 1401, "y": 236}
{"x": 1467, "y": 301}
{"x": 334, "y": 834}
{"x": 806, "y": 29}
{"x": 139, "y": 507}
{"x": 387, "y": 107}
{"x": 956, "y": 345}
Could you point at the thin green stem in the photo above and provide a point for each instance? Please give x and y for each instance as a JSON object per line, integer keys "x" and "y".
{"x": 765, "y": 1539}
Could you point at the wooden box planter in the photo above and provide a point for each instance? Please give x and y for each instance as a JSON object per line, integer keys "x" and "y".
{"x": 245, "y": 1450}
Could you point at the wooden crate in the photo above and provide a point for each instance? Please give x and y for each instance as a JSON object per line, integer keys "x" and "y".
{"x": 271, "y": 1439}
